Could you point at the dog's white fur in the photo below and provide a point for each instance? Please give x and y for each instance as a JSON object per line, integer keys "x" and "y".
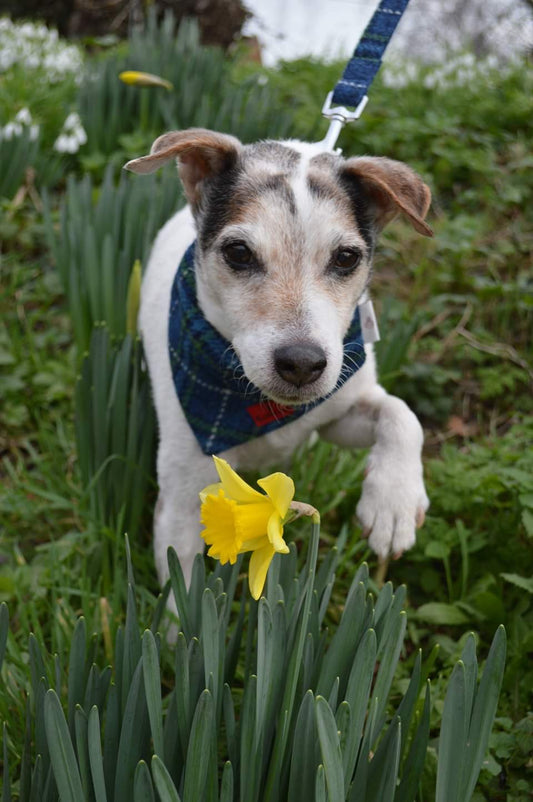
{"x": 360, "y": 414}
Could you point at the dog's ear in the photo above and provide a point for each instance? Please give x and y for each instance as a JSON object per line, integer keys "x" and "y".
{"x": 199, "y": 154}
{"x": 394, "y": 188}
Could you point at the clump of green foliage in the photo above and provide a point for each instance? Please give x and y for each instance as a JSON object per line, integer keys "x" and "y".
{"x": 261, "y": 710}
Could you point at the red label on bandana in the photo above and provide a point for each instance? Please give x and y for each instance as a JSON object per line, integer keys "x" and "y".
{"x": 268, "y": 412}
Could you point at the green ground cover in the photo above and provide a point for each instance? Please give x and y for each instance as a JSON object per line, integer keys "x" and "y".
{"x": 456, "y": 317}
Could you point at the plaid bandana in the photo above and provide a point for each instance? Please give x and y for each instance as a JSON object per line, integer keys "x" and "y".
{"x": 222, "y": 407}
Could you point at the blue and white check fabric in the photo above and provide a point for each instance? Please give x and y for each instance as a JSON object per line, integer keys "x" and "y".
{"x": 222, "y": 407}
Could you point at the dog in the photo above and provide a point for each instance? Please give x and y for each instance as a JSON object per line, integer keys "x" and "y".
{"x": 284, "y": 238}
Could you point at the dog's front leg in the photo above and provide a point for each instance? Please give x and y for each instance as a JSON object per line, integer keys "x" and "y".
{"x": 393, "y": 499}
{"x": 182, "y": 473}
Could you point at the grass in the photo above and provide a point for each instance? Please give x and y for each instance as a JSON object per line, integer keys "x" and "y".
{"x": 456, "y": 322}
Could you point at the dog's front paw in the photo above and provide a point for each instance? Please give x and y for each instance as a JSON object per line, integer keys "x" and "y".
{"x": 392, "y": 506}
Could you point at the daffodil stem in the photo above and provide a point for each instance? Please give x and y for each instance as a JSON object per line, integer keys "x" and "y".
{"x": 381, "y": 571}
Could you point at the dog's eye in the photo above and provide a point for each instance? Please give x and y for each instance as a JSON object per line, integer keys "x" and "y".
{"x": 239, "y": 256}
{"x": 345, "y": 260}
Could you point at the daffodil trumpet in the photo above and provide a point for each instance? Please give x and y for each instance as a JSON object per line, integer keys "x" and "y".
{"x": 237, "y": 518}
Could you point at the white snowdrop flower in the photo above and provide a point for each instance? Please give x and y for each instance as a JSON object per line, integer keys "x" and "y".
{"x": 72, "y": 121}
{"x": 61, "y": 143}
{"x": 34, "y": 132}
{"x": 66, "y": 144}
{"x": 81, "y": 135}
{"x": 23, "y": 116}
{"x": 12, "y": 129}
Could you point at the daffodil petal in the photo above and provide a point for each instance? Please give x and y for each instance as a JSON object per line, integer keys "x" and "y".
{"x": 280, "y": 489}
{"x": 254, "y": 543}
{"x": 259, "y": 565}
{"x": 137, "y": 78}
{"x": 275, "y": 534}
{"x": 235, "y": 487}
{"x": 251, "y": 520}
{"x": 210, "y": 490}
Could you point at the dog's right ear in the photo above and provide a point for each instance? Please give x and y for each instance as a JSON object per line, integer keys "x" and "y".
{"x": 199, "y": 153}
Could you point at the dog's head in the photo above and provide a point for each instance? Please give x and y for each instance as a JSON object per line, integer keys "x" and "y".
{"x": 286, "y": 235}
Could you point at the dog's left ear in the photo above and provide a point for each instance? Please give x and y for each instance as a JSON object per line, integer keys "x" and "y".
{"x": 199, "y": 153}
{"x": 394, "y": 188}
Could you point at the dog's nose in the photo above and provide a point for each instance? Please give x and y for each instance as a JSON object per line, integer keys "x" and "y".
{"x": 300, "y": 363}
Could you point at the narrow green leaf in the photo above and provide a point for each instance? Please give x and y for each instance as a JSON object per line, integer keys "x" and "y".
{"x": 199, "y": 749}
{"x": 4, "y": 629}
{"x": 82, "y": 749}
{"x": 36, "y": 794}
{"x": 226, "y": 784}
{"x": 163, "y": 781}
{"x": 132, "y": 646}
{"x": 452, "y": 741}
{"x": 414, "y": 762}
{"x": 264, "y": 667}
{"x": 383, "y": 602}
{"x": 407, "y": 705}
{"x": 358, "y": 787}
{"x": 76, "y": 670}
{"x": 111, "y": 738}
{"x": 134, "y": 736}
{"x": 132, "y": 304}
{"x": 229, "y": 724}
{"x": 184, "y": 712}
{"x": 196, "y": 591}
{"x": 179, "y": 590}
{"x": 357, "y": 696}
{"x": 248, "y": 755}
{"x": 387, "y": 668}
{"x": 469, "y": 659}
{"x": 143, "y": 790}
{"x": 210, "y": 641}
{"x": 339, "y": 657}
{"x": 234, "y": 645}
{"x": 383, "y": 768}
{"x": 6, "y": 783}
{"x": 152, "y": 689}
{"x": 62, "y": 753}
{"x": 37, "y": 666}
{"x": 26, "y": 762}
{"x": 484, "y": 711}
{"x": 95, "y": 756}
{"x": 330, "y": 749}
{"x": 320, "y": 785}
{"x": 305, "y": 754}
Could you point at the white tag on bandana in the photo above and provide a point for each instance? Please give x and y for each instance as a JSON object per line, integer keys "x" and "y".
{"x": 369, "y": 324}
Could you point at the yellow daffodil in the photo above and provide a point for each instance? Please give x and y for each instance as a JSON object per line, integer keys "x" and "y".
{"x": 136, "y": 78}
{"x": 238, "y": 518}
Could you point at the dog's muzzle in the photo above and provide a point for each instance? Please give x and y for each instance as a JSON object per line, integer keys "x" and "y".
{"x": 300, "y": 363}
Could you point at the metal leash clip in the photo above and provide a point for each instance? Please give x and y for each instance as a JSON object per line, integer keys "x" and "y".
{"x": 339, "y": 116}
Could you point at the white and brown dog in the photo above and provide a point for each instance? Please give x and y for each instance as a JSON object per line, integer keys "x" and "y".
{"x": 285, "y": 235}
